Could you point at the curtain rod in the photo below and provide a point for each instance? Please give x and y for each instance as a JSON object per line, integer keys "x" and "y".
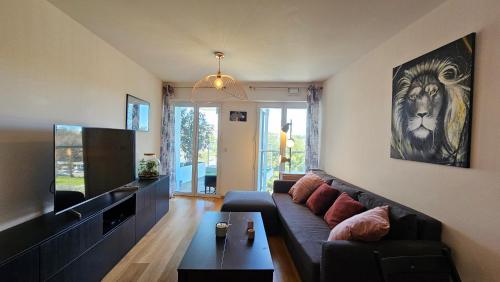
{"x": 254, "y": 87}
{"x": 277, "y": 87}
{"x": 280, "y": 87}
{"x": 189, "y": 87}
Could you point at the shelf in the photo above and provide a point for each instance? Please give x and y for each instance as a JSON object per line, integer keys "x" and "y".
{"x": 119, "y": 213}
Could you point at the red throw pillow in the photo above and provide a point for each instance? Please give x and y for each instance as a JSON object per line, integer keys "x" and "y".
{"x": 322, "y": 198}
{"x": 369, "y": 226}
{"x": 304, "y": 187}
{"x": 343, "y": 208}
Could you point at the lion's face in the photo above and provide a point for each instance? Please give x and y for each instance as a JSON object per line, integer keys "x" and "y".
{"x": 430, "y": 112}
{"x": 424, "y": 104}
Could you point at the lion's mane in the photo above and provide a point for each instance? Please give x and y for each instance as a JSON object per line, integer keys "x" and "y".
{"x": 451, "y": 149}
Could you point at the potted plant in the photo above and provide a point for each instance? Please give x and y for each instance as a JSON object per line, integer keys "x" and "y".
{"x": 149, "y": 167}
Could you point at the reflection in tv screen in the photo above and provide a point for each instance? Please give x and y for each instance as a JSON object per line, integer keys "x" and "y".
{"x": 90, "y": 162}
{"x": 70, "y": 173}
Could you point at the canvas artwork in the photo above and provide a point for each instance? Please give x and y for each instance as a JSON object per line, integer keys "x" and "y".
{"x": 432, "y": 105}
{"x": 238, "y": 116}
{"x": 137, "y": 114}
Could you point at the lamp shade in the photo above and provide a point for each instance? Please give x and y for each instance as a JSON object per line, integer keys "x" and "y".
{"x": 223, "y": 83}
{"x": 285, "y": 127}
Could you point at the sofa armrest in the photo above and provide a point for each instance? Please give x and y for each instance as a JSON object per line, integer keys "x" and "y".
{"x": 282, "y": 186}
{"x": 355, "y": 261}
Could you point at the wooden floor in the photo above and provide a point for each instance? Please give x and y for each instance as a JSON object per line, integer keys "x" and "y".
{"x": 157, "y": 255}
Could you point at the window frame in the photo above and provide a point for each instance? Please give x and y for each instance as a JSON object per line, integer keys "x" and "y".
{"x": 278, "y": 105}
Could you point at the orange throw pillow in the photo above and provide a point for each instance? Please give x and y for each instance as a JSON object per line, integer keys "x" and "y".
{"x": 343, "y": 208}
{"x": 369, "y": 226}
{"x": 304, "y": 187}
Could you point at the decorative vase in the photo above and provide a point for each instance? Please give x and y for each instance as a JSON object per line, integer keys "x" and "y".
{"x": 149, "y": 167}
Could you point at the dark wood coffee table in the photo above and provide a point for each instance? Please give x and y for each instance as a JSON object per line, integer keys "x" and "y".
{"x": 233, "y": 258}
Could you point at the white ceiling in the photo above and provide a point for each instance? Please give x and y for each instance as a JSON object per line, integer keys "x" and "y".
{"x": 264, "y": 40}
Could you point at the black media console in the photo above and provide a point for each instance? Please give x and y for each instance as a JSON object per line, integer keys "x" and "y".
{"x": 64, "y": 248}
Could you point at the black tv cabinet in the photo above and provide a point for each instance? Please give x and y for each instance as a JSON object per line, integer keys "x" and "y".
{"x": 63, "y": 248}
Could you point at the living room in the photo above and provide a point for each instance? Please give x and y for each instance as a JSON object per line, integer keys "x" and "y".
{"x": 258, "y": 140}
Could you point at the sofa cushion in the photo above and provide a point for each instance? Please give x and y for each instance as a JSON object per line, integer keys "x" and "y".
{"x": 403, "y": 220}
{"x": 327, "y": 178}
{"x": 369, "y": 226}
{"x": 322, "y": 198}
{"x": 350, "y": 189}
{"x": 252, "y": 201}
{"x": 304, "y": 187}
{"x": 304, "y": 233}
{"x": 343, "y": 208}
{"x": 428, "y": 228}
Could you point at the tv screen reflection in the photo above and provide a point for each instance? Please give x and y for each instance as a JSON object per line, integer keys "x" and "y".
{"x": 69, "y": 165}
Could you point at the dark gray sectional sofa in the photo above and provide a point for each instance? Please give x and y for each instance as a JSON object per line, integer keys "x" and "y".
{"x": 412, "y": 233}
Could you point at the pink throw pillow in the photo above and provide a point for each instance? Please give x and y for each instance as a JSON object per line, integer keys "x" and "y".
{"x": 370, "y": 225}
{"x": 304, "y": 187}
{"x": 322, "y": 198}
{"x": 343, "y": 208}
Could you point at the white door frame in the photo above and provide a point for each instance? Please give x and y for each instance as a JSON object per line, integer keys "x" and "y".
{"x": 217, "y": 106}
{"x": 276, "y": 105}
{"x": 194, "y": 170}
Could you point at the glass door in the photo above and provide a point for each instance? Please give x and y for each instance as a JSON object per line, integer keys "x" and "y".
{"x": 295, "y": 144}
{"x": 196, "y": 157}
{"x": 281, "y": 146}
{"x": 269, "y": 147}
{"x": 183, "y": 148}
{"x": 208, "y": 128}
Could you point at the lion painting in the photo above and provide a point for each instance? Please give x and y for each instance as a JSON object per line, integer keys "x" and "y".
{"x": 432, "y": 101}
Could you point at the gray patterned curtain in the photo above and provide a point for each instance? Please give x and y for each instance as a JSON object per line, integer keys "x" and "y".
{"x": 312, "y": 134}
{"x": 167, "y": 154}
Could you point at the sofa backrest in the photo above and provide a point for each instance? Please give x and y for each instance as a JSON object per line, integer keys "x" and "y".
{"x": 406, "y": 223}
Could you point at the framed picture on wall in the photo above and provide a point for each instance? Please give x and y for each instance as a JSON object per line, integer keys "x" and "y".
{"x": 237, "y": 116}
{"x": 432, "y": 105}
{"x": 137, "y": 112}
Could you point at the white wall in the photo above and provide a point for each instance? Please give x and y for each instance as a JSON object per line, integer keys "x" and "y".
{"x": 238, "y": 156}
{"x": 357, "y": 127}
{"x": 53, "y": 70}
{"x": 238, "y": 140}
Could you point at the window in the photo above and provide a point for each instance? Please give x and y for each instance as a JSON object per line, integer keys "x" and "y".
{"x": 297, "y": 133}
{"x": 280, "y": 151}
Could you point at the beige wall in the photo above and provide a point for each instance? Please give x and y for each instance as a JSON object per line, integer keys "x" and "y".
{"x": 357, "y": 124}
{"x": 238, "y": 155}
{"x": 53, "y": 70}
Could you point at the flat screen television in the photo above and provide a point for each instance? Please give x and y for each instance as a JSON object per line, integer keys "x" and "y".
{"x": 89, "y": 162}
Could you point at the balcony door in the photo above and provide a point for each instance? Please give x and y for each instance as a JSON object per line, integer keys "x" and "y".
{"x": 196, "y": 137}
{"x": 280, "y": 151}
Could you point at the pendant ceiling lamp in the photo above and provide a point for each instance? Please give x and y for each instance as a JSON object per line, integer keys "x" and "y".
{"x": 223, "y": 83}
